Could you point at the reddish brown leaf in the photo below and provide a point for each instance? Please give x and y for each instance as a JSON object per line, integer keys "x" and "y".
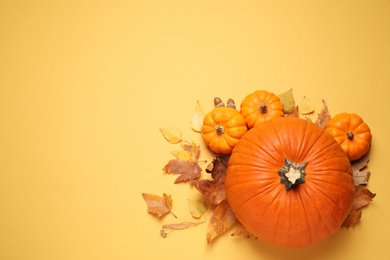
{"x": 214, "y": 190}
{"x": 158, "y": 205}
{"x": 185, "y": 164}
{"x": 222, "y": 220}
{"x": 218, "y": 167}
{"x": 363, "y": 197}
{"x": 241, "y": 231}
{"x": 323, "y": 116}
{"x": 360, "y": 173}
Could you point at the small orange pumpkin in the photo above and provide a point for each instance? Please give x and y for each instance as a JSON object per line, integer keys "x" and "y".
{"x": 261, "y": 106}
{"x": 351, "y": 133}
{"x": 288, "y": 182}
{"x": 223, "y": 127}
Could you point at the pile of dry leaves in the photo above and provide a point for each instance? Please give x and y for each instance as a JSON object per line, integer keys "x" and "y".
{"x": 186, "y": 166}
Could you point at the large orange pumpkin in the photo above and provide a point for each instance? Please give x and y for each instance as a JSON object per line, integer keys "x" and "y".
{"x": 289, "y": 183}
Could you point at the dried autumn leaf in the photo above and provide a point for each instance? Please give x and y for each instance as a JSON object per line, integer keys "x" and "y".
{"x": 218, "y": 167}
{"x": 185, "y": 164}
{"x": 182, "y": 225}
{"x": 214, "y": 190}
{"x": 168, "y": 228}
{"x": 158, "y": 205}
{"x": 294, "y": 113}
{"x": 288, "y": 101}
{"x": 363, "y": 197}
{"x": 323, "y": 116}
{"x": 197, "y": 118}
{"x": 222, "y": 220}
{"x": 173, "y": 135}
{"x": 360, "y": 175}
{"x": 241, "y": 231}
{"x": 306, "y": 106}
{"x": 197, "y": 207}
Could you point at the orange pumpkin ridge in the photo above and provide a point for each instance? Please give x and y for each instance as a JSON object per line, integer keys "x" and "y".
{"x": 351, "y": 133}
{"x": 223, "y": 127}
{"x": 289, "y": 182}
{"x": 261, "y": 106}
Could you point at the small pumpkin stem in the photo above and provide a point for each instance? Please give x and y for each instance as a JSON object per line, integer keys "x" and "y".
{"x": 292, "y": 174}
{"x": 220, "y": 129}
{"x": 263, "y": 108}
{"x": 231, "y": 103}
{"x": 350, "y": 135}
{"x": 218, "y": 102}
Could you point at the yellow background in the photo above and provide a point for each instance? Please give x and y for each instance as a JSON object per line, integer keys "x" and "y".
{"x": 86, "y": 85}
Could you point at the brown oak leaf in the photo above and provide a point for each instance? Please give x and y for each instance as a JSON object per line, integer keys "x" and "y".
{"x": 360, "y": 173}
{"x": 158, "y": 205}
{"x": 222, "y": 220}
{"x": 363, "y": 197}
{"x": 214, "y": 190}
{"x": 185, "y": 164}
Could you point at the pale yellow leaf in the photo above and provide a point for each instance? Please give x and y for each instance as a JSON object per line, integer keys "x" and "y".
{"x": 197, "y": 118}
{"x": 173, "y": 135}
{"x": 197, "y": 207}
{"x": 288, "y": 101}
{"x": 306, "y": 107}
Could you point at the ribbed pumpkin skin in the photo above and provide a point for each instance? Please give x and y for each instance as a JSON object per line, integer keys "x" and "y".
{"x": 309, "y": 212}
{"x": 233, "y": 123}
{"x": 250, "y": 107}
{"x": 344, "y": 123}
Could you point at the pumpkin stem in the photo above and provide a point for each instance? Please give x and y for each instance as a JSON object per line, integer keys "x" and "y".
{"x": 263, "y": 108}
{"x": 350, "y": 135}
{"x": 220, "y": 129}
{"x": 292, "y": 174}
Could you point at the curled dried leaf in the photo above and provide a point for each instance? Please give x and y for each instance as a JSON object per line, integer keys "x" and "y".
{"x": 168, "y": 228}
{"x": 360, "y": 173}
{"x": 181, "y": 225}
{"x": 218, "y": 167}
{"x": 323, "y": 116}
{"x": 214, "y": 190}
{"x": 171, "y": 134}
